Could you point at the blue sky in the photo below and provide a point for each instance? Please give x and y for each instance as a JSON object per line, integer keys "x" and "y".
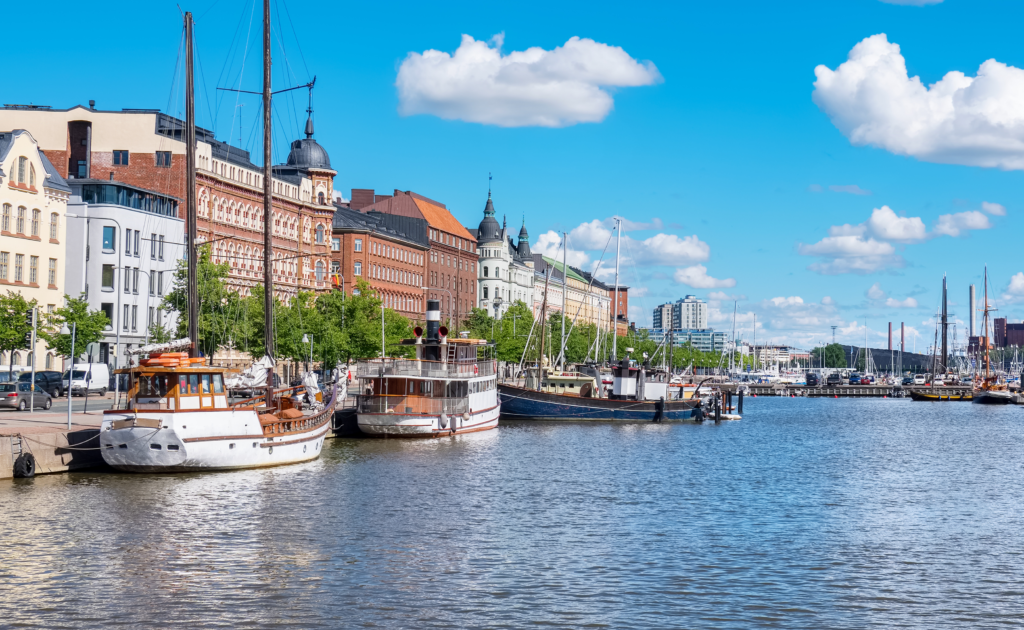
{"x": 717, "y": 149}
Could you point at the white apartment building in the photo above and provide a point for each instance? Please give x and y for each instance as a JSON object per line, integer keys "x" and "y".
{"x": 33, "y": 201}
{"x": 125, "y": 246}
{"x": 505, "y": 271}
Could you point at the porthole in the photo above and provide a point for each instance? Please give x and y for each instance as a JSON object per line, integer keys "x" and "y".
{"x": 270, "y": 451}
{"x": 303, "y": 448}
{"x": 122, "y": 446}
{"x": 255, "y": 444}
{"x": 172, "y": 447}
{"x": 232, "y": 445}
{"x": 155, "y": 447}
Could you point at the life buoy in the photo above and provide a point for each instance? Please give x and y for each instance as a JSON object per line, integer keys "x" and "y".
{"x": 476, "y": 370}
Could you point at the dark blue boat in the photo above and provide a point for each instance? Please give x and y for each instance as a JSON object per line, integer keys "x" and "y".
{"x": 518, "y": 403}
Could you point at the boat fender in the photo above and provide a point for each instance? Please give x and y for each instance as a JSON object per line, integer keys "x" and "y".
{"x": 444, "y": 421}
{"x": 25, "y": 466}
{"x": 465, "y": 416}
{"x": 476, "y": 370}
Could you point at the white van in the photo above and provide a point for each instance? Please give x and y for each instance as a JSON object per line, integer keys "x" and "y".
{"x": 94, "y": 377}
{"x": 920, "y": 379}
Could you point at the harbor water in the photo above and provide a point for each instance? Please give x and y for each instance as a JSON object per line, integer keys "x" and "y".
{"x": 808, "y": 513}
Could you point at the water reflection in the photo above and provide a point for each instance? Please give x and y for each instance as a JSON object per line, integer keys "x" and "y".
{"x": 808, "y": 513}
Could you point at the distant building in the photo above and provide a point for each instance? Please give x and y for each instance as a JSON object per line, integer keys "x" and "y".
{"x": 505, "y": 271}
{"x": 1007, "y": 335}
{"x": 586, "y": 300}
{"x": 689, "y": 313}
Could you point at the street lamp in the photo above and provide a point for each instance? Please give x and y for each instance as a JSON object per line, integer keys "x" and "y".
{"x": 71, "y": 370}
{"x": 308, "y": 340}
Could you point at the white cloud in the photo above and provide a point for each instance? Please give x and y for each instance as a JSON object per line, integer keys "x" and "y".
{"x": 886, "y": 225}
{"x": 851, "y": 189}
{"x": 907, "y": 303}
{"x": 997, "y": 209}
{"x": 847, "y": 230}
{"x": 847, "y": 246}
{"x": 550, "y": 244}
{"x": 639, "y": 292}
{"x": 955, "y": 224}
{"x": 974, "y": 121}
{"x": 634, "y": 226}
{"x": 1015, "y": 291}
{"x": 698, "y": 278}
{"x": 913, "y": 3}
{"x": 875, "y": 292}
{"x": 570, "y": 84}
{"x": 721, "y": 296}
{"x": 827, "y": 301}
{"x": 592, "y": 235}
{"x": 669, "y": 250}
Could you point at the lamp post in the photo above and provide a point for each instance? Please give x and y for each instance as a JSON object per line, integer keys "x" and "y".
{"x": 71, "y": 370}
{"x": 308, "y": 340}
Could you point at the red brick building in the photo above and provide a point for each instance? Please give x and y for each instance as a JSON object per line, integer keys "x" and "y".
{"x": 144, "y": 148}
{"x": 390, "y": 252}
{"x": 450, "y": 270}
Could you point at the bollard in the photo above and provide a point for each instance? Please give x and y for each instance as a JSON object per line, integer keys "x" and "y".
{"x": 739, "y": 405}
{"x": 718, "y": 409}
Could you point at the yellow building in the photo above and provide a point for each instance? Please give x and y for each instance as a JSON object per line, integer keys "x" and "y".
{"x": 33, "y": 202}
{"x": 587, "y": 301}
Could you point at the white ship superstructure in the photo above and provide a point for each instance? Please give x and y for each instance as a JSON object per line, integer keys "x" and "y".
{"x": 445, "y": 390}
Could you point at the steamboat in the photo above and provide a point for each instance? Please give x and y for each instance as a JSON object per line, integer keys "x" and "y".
{"x": 445, "y": 390}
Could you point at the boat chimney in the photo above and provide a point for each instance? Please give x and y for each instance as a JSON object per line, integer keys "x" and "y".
{"x": 433, "y": 319}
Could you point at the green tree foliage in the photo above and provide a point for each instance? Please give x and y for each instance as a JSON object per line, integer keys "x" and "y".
{"x": 216, "y": 301}
{"x": 88, "y": 326}
{"x": 834, "y": 357}
{"x": 13, "y": 322}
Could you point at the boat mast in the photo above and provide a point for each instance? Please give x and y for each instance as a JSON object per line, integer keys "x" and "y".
{"x": 192, "y": 291}
{"x": 268, "y": 201}
{"x": 945, "y": 328}
{"x": 984, "y": 324}
{"x": 543, "y": 329}
{"x": 565, "y": 289}
{"x": 615, "y": 316}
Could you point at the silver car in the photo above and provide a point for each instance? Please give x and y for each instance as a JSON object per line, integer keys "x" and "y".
{"x": 16, "y": 396}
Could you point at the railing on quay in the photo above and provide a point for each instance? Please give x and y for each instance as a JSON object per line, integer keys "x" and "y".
{"x": 375, "y": 368}
{"x": 412, "y": 404}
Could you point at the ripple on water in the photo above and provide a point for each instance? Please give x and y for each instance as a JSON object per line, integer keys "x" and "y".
{"x": 806, "y": 514}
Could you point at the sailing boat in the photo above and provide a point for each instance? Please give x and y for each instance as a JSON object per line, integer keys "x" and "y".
{"x": 989, "y": 391}
{"x": 552, "y": 393}
{"x": 177, "y": 416}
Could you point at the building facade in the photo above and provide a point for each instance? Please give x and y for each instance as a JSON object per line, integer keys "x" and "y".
{"x": 704, "y": 340}
{"x": 688, "y": 313}
{"x": 122, "y": 255}
{"x": 145, "y": 149}
{"x": 505, "y": 269}
{"x": 387, "y": 251}
{"x": 586, "y": 300}
{"x": 451, "y": 264}
{"x": 33, "y": 233}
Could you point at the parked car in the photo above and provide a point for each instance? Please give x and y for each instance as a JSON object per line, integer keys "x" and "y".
{"x": 920, "y": 379}
{"x": 87, "y": 377}
{"x": 812, "y": 380}
{"x": 908, "y": 380}
{"x": 48, "y": 380}
{"x": 834, "y": 379}
{"x": 16, "y": 396}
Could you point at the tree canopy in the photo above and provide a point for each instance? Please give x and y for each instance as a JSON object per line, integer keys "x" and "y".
{"x": 88, "y": 326}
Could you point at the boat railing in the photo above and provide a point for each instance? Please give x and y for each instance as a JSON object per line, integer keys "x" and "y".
{"x": 411, "y": 404}
{"x": 375, "y": 368}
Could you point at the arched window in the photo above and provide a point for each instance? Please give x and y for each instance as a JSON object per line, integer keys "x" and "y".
{"x": 320, "y": 199}
{"x": 320, "y": 228}
{"x": 319, "y": 271}
{"x": 22, "y": 163}
{"x": 31, "y": 175}
{"x": 485, "y": 272}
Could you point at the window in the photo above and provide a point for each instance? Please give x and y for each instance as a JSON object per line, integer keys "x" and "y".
{"x": 109, "y": 239}
{"x": 19, "y": 264}
{"x": 135, "y": 281}
{"x": 124, "y": 319}
{"x": 358, "y": 268}
{"x": 335, "y": 244}
{"x": 35, "y": 222}
{"x": 127, "y": 279}
{"x": 485, "y": 272}
{"x": 161, "y": 252}
{"x": 152, "y": 246}
{"x": 163, "y": 159}
{"x": 22, "y": 163}
{"x": 107, "y": 279}
{"x": 136, "y": 243}
{"x": 127, "y": 242}
{"x": 33, "y": 269}
{"x": 320, "y": 198}
{"x": 160, "y": 283}
{"x": 108, "y": 310}
{"x": 319, "y": 271}
{"x": 51, "y": 274}
{"x": 135, "y": 317}
{"x": 358, "y": 245}
{"x": 335, "y": 267}
{"x": 149, "y": 322}
{"x": 21, "y": 220}
{"x": 120, "y": 158}
{"x": 5, "y": 258}
{"x": 151, "y": 287}
{"x": 53, "y": 226}
{"x": 7, "y": 218}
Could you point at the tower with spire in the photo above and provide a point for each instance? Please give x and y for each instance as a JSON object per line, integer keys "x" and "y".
{"x": 505, "y": 268}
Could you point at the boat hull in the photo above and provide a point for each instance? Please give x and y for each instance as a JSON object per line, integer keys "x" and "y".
{"x": 982, "y": 397}
{"x": 426, "y": 425}
{"x": 939, "y": 397}
{"x": 518, "y": 403}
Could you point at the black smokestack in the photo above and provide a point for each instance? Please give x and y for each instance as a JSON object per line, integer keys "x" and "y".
{"x": 433, "y": 319}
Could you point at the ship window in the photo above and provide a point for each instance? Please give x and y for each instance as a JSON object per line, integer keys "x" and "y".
{"x": 155, "y": 447}
{"x": 193, "y": 383}
{"x": 218, "y": 384}
{"x": 182, "y": 386}
{"x": 206, "y": 383}
{"x": 172, "y": 447}
{"x": 153, "y": 386}
{"x": 412, "y": 387}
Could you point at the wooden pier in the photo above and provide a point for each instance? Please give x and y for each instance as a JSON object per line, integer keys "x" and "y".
{"x": 844, "y": 391}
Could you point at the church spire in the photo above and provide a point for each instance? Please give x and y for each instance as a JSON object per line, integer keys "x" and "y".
{"x": 309, "y": 110}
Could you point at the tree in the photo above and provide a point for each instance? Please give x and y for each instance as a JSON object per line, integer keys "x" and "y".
{"x": 511, "y": 332}
{"x": 216, "y": 301}
{"x": 14, "y": 324}
{"x": 88, "y": 326}
{"x": 834, "y": 356}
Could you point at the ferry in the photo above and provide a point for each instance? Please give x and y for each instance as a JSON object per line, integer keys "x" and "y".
{"x": 177, "y": 417}
{"x": 445, "y": 390}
